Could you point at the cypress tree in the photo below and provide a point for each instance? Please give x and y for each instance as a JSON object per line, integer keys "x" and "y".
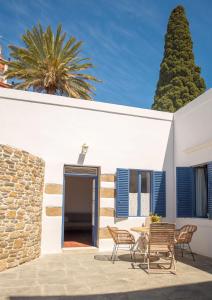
{"x": 179, "y": 80}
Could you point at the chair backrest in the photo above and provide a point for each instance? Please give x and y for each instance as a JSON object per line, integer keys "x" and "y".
{"x": 161, "y": 237}
{"x": 113, "y": 233}
{"x": 186, "y": 233}
{"x": 121, "y": 236}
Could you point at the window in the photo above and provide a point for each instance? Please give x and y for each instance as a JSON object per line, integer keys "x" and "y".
{"x": 194, "y": 191}
{"x": 137, "y": 189}
{"x": 139, "y": 193}
{"x": 145, "y": 193}
{"x": 201, "y": 192}
{"x": 133, "y": 194}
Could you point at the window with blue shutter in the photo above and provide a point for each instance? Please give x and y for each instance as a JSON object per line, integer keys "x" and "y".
{"x": 158, "y": 203}
{"x": 185, "y": 192}
{"x": 139, "y": 192}
{"x": 122, "y": 193}
{"x": 210, "y": 190}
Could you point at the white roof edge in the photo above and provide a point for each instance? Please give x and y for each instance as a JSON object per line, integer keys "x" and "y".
{"x": 17, "y": 95}
{"x": 200, "y": 100}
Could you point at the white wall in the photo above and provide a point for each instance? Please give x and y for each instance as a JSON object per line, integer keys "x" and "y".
{"x": 55, "y": 128}
{"x": 193, "y": 146}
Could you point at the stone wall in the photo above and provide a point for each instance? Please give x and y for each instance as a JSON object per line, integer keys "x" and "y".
{"x": 21, "y": 193}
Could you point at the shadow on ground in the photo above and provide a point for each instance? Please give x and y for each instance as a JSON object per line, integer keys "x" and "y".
{"x": 202, "y": 263}
{"x": 123, "y": 257}
{"x": 198, "y": 291}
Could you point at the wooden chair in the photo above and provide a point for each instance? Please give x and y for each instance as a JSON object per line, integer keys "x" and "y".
{"x": 161, "y": 241}
{"x": 183, "y": 237}
{"x": 121, "y": 238}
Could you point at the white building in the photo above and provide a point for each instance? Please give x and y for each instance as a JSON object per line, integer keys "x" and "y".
{"x": 92, "y": 148}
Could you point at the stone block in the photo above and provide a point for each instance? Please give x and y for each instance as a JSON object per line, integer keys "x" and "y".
{"x": 3, "y": 265}
{"x": 107, "y": 193}
{"x": 14, "y": 235}
{"x": 11, "y": 214}
{"x": 20, "y": 226}
{"x": 53, "y": 188}
{"x": 108, "y": 177}
{"x": 53, "y": 211}
{"x": 107, "y": 212}
{"x": 18, "y": 244}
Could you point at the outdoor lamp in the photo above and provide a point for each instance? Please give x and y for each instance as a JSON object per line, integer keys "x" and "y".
{"x": 84, "y": 148}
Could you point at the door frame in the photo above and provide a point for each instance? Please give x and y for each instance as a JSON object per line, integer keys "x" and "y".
{"x": 97, "y": 200}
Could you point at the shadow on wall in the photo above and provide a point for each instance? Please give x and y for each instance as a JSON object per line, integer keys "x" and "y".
{"x": 168, "y": 166}
{"x": 81, "y": 159}
{"x": 195, "y": 291}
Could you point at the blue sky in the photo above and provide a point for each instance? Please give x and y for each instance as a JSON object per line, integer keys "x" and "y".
{"x": 124, "y": 38}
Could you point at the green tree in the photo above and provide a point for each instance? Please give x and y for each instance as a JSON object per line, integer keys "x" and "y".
{"x": 179, "y": 80}
{"x": 49, "y": 64}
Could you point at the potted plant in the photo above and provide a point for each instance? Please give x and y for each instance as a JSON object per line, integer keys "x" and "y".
{"x": 155, "y": 218}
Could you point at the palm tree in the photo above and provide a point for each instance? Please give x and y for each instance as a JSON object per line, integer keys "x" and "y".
{"x": 48, "y": 64}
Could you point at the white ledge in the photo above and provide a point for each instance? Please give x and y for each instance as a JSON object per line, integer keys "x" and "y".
{"x": 45, "y": 99}
{"x": 198, "y": 147}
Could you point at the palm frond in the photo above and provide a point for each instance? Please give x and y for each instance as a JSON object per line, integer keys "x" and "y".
{"x": 48, "y": 64}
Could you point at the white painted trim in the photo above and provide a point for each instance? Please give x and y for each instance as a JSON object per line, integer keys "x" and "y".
{"x": 106, "y": 221}
{"x": 198, "y": 147}
{"x": 78, "y": 248}
{"x": 105, "y": 184}
{"x": 105, "y": 202}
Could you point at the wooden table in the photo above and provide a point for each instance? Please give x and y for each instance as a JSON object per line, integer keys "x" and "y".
{"x": 140, "y": 229}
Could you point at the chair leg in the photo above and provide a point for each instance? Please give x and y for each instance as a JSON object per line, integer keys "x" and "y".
{"x": 132, "y": 252}
{"x": 175, "y": 267}
{"x": 182, "y": 249}
{"x": 134, "y": 256}
{"x": 131, "y": 255}
{"x": 191, "y": 252}
{"x": 148, "y": 263}
{"x": 113, "y": 253}
{"x": 173, "y": 262}
{"x": 175, "y": 251}
{"x": 145, "y": 258}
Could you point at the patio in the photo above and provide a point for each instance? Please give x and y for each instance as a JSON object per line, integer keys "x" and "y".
{"x": 77, "y": 275}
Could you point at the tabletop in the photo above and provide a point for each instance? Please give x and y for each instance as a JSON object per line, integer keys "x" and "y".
{"x": 140, "y": 229}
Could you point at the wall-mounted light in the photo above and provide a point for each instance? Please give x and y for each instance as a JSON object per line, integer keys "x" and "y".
{"x": 84, "y": 148}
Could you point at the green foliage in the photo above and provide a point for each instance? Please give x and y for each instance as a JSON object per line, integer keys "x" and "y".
{"x": 179, "y": 81}
{"x": 49, "y": 64}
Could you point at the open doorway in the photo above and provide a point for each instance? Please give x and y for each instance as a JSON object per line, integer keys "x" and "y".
{"x": 80, "y": 209}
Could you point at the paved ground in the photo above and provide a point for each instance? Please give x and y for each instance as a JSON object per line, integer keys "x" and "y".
{"x": 77, "y": 275}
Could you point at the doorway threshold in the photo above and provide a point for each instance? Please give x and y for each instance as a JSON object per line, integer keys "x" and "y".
{"x": 84, "y": 249}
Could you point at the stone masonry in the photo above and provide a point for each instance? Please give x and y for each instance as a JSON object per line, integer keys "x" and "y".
{"x": 21, "y": 193}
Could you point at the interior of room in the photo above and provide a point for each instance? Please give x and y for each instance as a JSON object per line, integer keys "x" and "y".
{"x": 78, "y": 211}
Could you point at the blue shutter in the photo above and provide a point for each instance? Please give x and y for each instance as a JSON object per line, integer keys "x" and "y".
{"x": 122, "y": 193}
{"x": 210, "y": 190}
{"x": 158, "y": 203}
{"x": 185, "y": 192}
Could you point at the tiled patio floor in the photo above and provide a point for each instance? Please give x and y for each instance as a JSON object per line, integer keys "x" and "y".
{"x": 77, "y": 275}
